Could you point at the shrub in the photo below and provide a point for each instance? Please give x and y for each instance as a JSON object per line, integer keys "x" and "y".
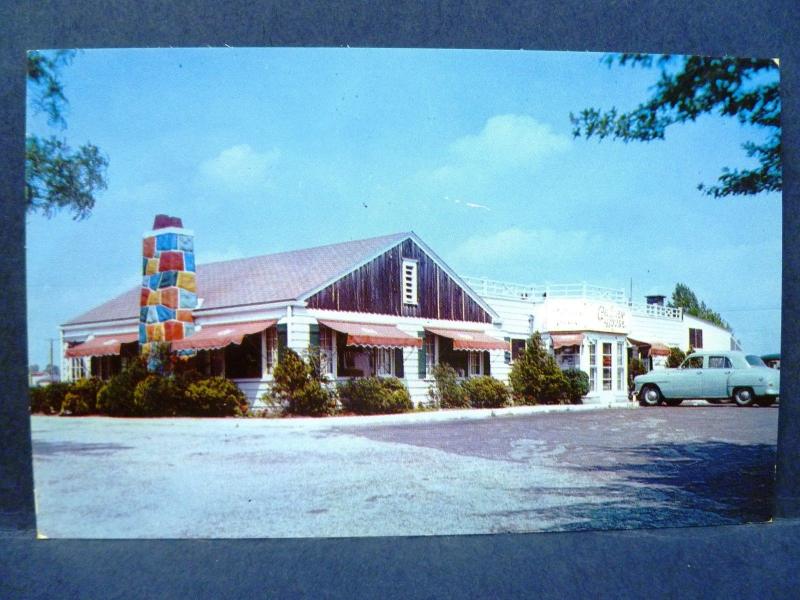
{"x": 535, "y": 376}
{"x": 313, "y": 400}
{"x": 115, "y": 398}
{"x": 635, "y": 367}
{"x": 81, "y": 399}
{"x": 290, "y": 376}
{"x": 486, "y": 392}
{"x": 48, "y": 399}
{"x": 577, "y": 385}
{"x": 446, "y": 391}
{"x": 375, "y": 395}
{"x": 159, "y": 396}
{"x": 675, "y": 358}
{"x": 215, "y": 397}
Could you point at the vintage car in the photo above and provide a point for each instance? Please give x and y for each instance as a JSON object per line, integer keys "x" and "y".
{"x": 772, "y": 360}
{"x": 713, "y": 376}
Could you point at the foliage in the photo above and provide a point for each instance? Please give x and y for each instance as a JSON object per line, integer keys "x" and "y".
{"x": 745, "y": 88}
{"x": 446, "y": 391}
{"x": 675, "y": 358}
{"x": 375, "y": 395}
{"x": 81, "y": 399}
{"x": 535, "y": 376}
{"x": 48, "y": 399}
{"x": 215, "y": 397}
{"x": 635, "y": 367}
{"x": 486, "y": 392}
{"x": 683, "y": 297}
{"x": 57, "y": 177}
{"x": 159, "y": 396}
{"x": 297, "y": 387}
{"x": 577, "y": 385}
{"x": 116, "y": 397}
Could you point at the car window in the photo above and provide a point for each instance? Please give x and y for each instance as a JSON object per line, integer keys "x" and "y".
{"x": 719, "y": 362}
{"x": 754, "y": 360}
{"x": 693, "y": 362}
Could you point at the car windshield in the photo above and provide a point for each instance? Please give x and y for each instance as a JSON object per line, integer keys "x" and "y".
{"x": 754, "y": 360}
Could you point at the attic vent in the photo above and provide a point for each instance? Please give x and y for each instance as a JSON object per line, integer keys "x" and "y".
{"x": 409, "y": 281}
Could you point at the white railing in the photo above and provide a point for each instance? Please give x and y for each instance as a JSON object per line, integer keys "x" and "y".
{"x": 656, "y": 310}
{"x": 537, "y": 293}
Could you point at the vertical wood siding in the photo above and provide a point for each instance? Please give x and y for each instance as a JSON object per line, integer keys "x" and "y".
{"x": 376, "y": 287}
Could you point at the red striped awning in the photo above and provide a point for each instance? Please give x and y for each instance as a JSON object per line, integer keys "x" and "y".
{"x": 102, "y": 345}
{"x": 470, "y": 340}
{"x": 654, "y": 348}
{"x": 561, "y": 340}
{"x": 371, "y": 334}
{"x": 210, "y": 337}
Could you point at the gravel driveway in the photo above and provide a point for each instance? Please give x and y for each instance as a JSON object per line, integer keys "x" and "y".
{"x": 604, "y": 469}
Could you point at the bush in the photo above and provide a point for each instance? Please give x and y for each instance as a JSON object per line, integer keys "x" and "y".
{"x": 486, "y": 392}
{"x": 635, "y": 367}
{"x": 312, "y": 400}
{"x": 535, "y": 376}
{"x": 676, "y": 357}
{"x": 446, "y": 391}
{"x": 375, "y": 395}
{"x": 48, "y": 399}
{"x": 215, "y": 397}
{"x": 116, "y": 398}
{"x": 159, "y": 396}
{"x": 577, "y": 385}
{"x": 81, "y": 399}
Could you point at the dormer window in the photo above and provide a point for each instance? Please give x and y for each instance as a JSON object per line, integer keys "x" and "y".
{"x": 409, "y": 281}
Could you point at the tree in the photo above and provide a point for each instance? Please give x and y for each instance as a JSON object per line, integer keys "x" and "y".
{"x": 746, "y": 88}
{"x": 685, "y": 298}
{"x": 57, "y": 177}
{"x": 535, "y": 376}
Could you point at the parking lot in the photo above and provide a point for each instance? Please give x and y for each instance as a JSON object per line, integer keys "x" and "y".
{"x": 599, "y": 469}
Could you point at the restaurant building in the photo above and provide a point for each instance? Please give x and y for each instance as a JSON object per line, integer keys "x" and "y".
{"x": 381, "y": 306}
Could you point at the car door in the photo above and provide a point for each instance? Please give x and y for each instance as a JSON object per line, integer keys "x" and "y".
{"x": 688, "y": 379}
{"x": 715, "y": 377}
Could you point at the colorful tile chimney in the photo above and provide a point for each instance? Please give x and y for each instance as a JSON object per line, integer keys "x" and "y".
{"x": 169, "y": 289}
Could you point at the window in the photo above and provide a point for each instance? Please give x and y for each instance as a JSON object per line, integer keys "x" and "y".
{"x": 517, "y": 349}
{"x": 383, "y": 361}
{"x": 77, "y": 369}
{"x": 696, "y": 338}
{"x": 326, "y": 351}
{"x": 475, "y": 363}
{"x": 620, "y": 366}
{"x": 592, "y": 366}
{"x": 430, "y": 354}
{"x": 409, "y": 281}
{"x": 719, "y": 362}
{"x": 271, "y": 349}
{"x": 695, "y": 362}
{"x": 607, "y": 369}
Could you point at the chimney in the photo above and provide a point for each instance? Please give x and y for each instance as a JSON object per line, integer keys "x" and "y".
{"x": 169, "y": 289}
{"x": 659, "y": 300}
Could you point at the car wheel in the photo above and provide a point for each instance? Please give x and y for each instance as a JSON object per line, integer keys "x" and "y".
{"x": 765, "y": 401}
{"x": 743, "y": 397}
{"x": 673, "y": 401}
{"x": 650, "y": 396}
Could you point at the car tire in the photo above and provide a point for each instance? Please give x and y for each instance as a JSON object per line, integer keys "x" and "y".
{"x": 744, "y": 397}
{"x": 765, "y": 401}
{"x": 650, "y": 396}
{"x": 673, "y": 401}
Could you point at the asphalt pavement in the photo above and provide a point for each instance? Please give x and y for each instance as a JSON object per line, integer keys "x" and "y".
{"x": 100, "y": 477}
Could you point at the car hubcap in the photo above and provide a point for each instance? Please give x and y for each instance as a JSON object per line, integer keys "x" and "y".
{"x": 744, "y": 397}
{"x": 651, "y": 396}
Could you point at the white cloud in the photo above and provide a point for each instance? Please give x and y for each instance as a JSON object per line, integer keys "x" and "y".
{"x": 510, "y": 141}
{"x": 474, "y": 205}
{"x": 240, "y": 167}
{"x": 529, "y": 245}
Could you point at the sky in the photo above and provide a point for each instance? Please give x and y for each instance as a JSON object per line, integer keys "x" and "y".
{"x": 267, "y": 150}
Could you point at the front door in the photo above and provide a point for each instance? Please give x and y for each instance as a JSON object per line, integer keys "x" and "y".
{"x": 715, "y": 378}
{"x": 688, "y": 380}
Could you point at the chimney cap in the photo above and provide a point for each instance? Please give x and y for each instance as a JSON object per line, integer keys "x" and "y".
{"x": 163, "y": 221}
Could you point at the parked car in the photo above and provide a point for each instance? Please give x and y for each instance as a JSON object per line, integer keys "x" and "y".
{"x": 713, "y": 376}
{"x": 772, "y": 360}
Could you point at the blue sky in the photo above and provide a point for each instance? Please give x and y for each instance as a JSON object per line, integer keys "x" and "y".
{"x": 265, "y": 150}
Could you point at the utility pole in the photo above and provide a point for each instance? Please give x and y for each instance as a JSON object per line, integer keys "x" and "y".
{"x": 50, "y": 364}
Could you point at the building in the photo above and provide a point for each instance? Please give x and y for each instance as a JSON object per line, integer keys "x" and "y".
{"x": 380, "y": 306}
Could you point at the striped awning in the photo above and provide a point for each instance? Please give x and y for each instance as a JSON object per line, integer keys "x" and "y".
{"x": 654, "y": 348}
{"x": 563, "y": 340}
{"x": 373, "y": 335}
{"x": 210, "y": 337}
{"x": 102, "y": 345}
{"x": 470, "y": 340}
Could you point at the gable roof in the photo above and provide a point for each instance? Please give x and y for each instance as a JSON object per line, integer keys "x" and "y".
{"x": 284, "y": 276}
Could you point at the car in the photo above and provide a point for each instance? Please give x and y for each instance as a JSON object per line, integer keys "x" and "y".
{"x": 713, "y": 376}
{"x": 772, "y": 360}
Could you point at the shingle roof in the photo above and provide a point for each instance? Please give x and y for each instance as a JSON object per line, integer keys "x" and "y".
{"x": 259, "y": 279}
